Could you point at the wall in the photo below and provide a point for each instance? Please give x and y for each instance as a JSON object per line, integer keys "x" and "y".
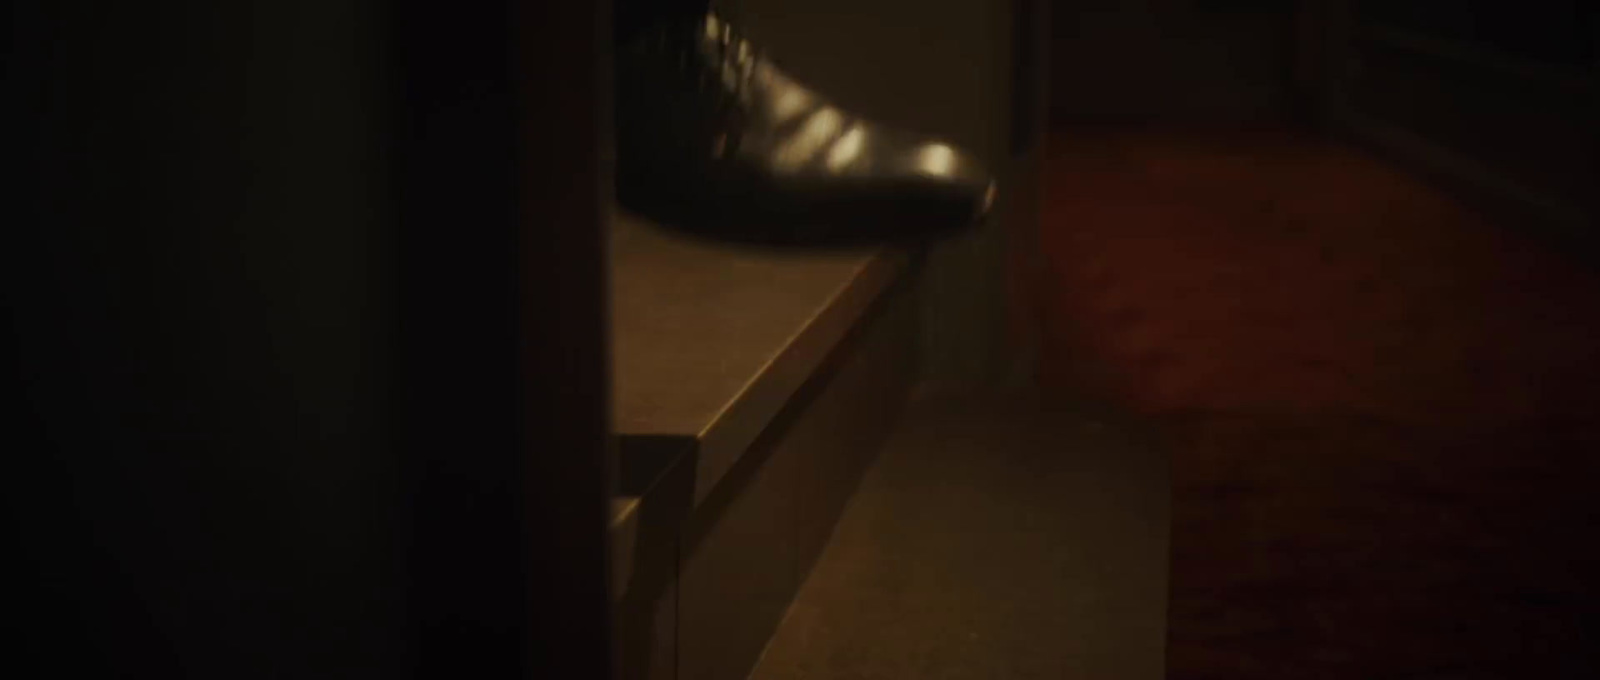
{"x": 199, "y": 322}
{"x": 297, "y": 334}
{"x": 1499, "y": 101}
{"x": 1170, "y": 60}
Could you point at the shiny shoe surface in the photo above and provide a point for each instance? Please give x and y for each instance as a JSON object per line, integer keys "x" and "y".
{"x": 714, "y": 138}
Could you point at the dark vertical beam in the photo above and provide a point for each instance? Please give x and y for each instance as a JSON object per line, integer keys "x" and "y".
{"x": 564, "y": 190}
{"x": 454, "y": 135}
{"x": 504, "y": 310}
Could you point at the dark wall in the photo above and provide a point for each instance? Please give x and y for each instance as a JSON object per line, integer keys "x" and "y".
{"x": 200, "y": 315}
{"x": 1170, "y": 60}
{"x": 307, "y": 306}
{"x": 1554, "y": 32}
{"x": 1499, "y": 98}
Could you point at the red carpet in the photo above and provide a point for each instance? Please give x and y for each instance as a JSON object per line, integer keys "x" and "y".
{"x": 1383, "y": 408}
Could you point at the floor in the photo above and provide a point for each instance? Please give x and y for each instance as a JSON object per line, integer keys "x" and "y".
{"x": 998, "y": 538}
{"x": 1381, "y": 409}
{"x": 1378, "y": 413}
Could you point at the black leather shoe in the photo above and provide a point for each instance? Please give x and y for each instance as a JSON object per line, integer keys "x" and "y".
{"x": 713, "y": 138}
